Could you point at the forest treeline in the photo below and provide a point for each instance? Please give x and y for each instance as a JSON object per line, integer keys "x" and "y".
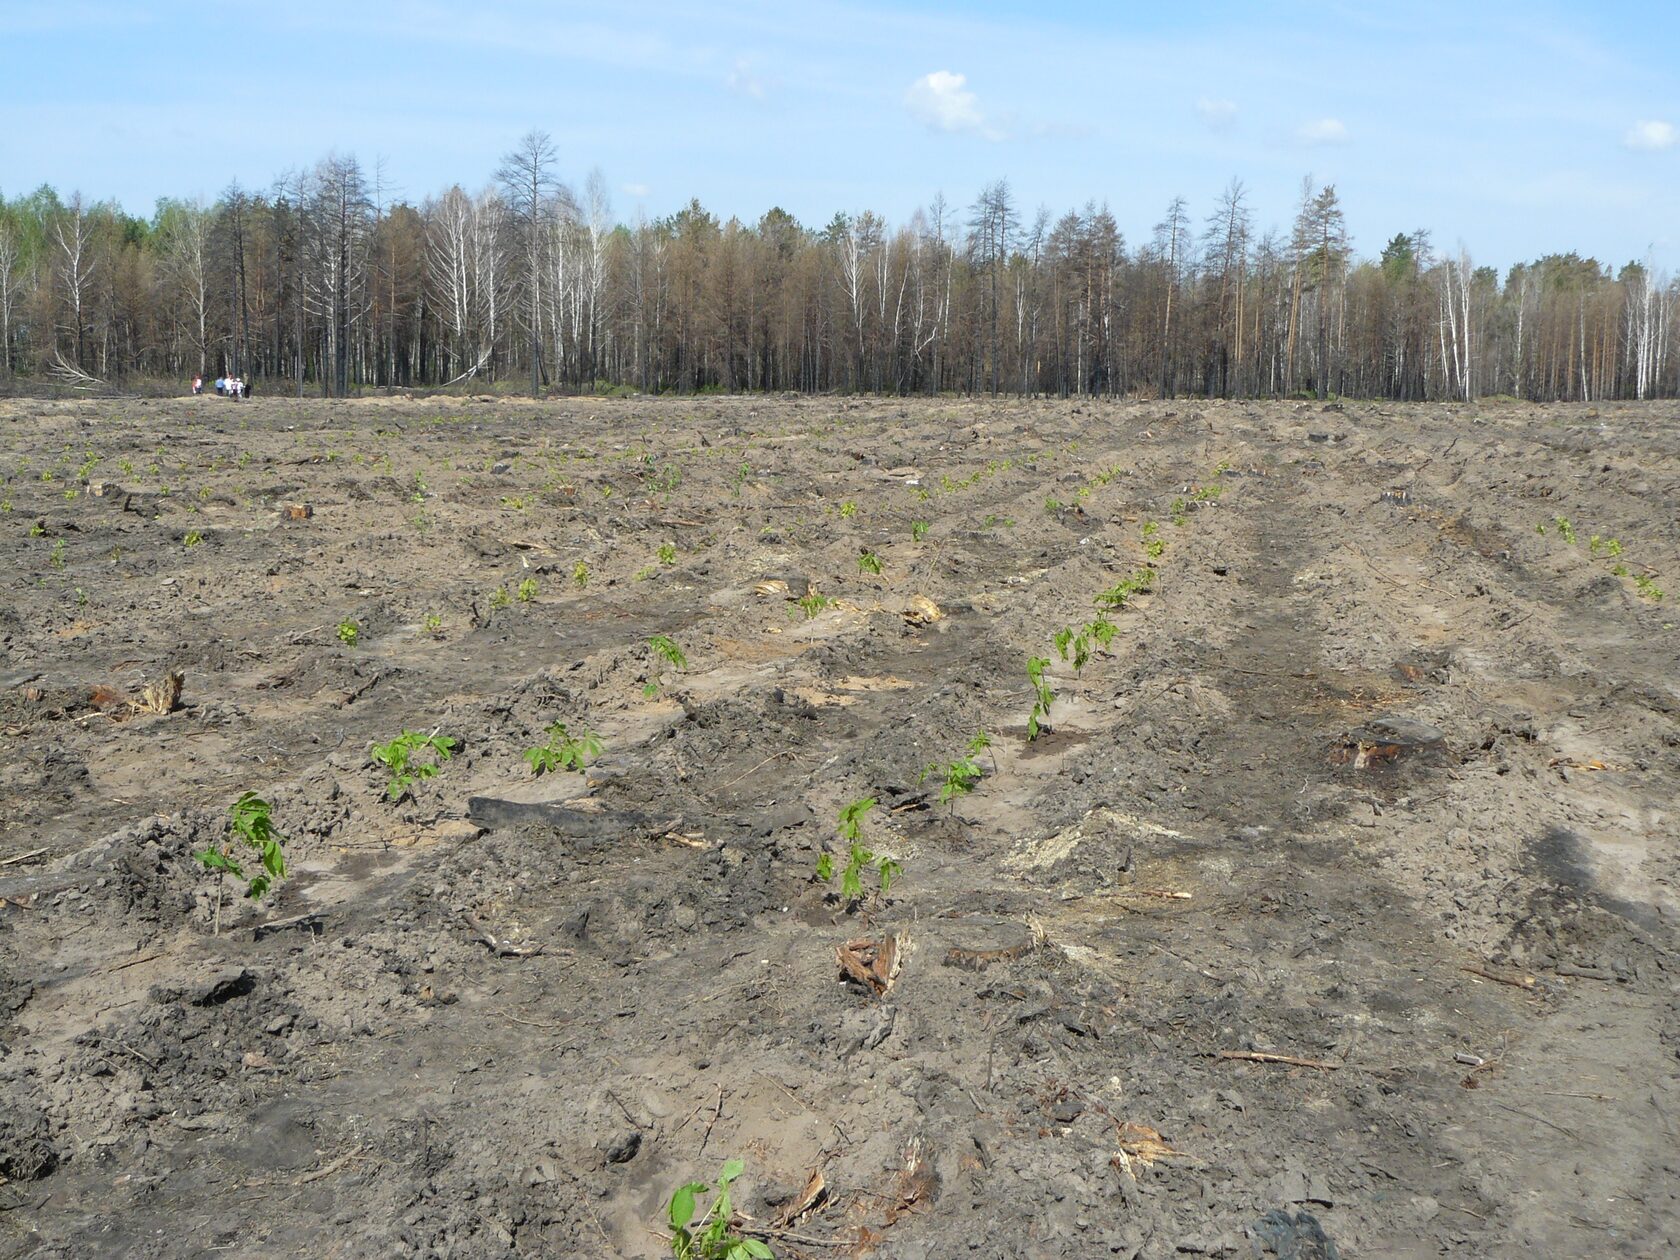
{"x": 325, "y": 282}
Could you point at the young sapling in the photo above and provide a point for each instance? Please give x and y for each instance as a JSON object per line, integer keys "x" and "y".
{"x": 398, "y": 757}
{"x": 251, "y": 825}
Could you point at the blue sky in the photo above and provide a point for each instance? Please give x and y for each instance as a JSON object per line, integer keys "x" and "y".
{"x": 1514, "y": 128}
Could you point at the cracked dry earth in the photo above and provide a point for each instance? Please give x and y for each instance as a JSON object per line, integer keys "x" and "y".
{"x": 1332, "y": 914}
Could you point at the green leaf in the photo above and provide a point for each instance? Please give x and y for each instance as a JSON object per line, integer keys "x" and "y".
{"x": 825, "y": 867}
{"x": 889, "y": 871}
{"x": 732, "y": 1169}
{"x": 1032, "y": 726}
{"x": 757, "y": 1250}
{"x": 682, "y": 1204}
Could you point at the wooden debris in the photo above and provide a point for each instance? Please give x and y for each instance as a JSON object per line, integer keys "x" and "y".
{"x": 1516, "y": 979}
{"x": 873, "y": 964}
{"x": 1140, "y": 1142}
{"x": 816, "y": 1190}
{"x": 500, "y": 948}
{"x": 922, "y": 611}
{"x": 299, "y": 511}
{"x": 1285, "y": 1060}
{"x": 160, "y": 697}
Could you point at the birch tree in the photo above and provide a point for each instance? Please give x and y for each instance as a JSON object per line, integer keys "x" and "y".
{"x": 527, "y": 178}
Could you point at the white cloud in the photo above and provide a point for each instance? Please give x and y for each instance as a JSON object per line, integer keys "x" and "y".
{"x": 942, "y": 101}
{"x": 1218, "y": 114}
{"x": 1324, "y": 131}
{"x": 1651, "y": 134}
{"x": 636, "y": 190}
{"x": 743, "y": 82}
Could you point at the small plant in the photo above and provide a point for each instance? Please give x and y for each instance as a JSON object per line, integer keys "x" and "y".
{"x": 1646, "y": 587}
{"x": 1203, "y": 494}
{"x": 1179, "y": 512}
{"x": 348, "y": 632}
{"x": 527, "y": 590}
{"x": 499, "y": 598}
{"x": 564, "y": 751}
{"x": 1116, "y": 596}
{"x": 712, "y": 1236}
{"x": 957, "y": 777}
{"x": 56, "y": 559}
{"x": 848, "y": 509}
{"x": 812, "y": 603}
{"x": 644, "y": 573}
{"x": 37, "y": 529}
{"x": 1153, "y": 547}
{"x": 580, "y": 573}
{"x": 192, "y": 539}
{"x": 869, "y": 562}
{"x": 667, "y": 648}
{"x": 1565, "y": 529}
{"x": 1052, "y": 506}
{"x": 918, "y": 530}
{"x": 252, "y": 826}
{"x": 1150, "y": 529}
{"x": 398, "y": 757}
{"x": 982, "y": 743}
{"x": 432, "y": 624}
{"x": 1598, "y": 545}
{"x": 858, "y": 858}
{"x": 667, "y": 554}
{"x": 1044, "y": 697}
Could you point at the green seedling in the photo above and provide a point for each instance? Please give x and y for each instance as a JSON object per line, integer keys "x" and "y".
{"x": 711, "y": 1236}
{"x": 250, "y": 825}
{"x": 1153, "y": 547}
{"x": 869, "y": 562}
{"x": 1647, "y": 588}
{"x": 527, "y": 590}
{"x": 192, "y": 539}
{"x": 348, "y": 632}
{"x": 1180, "y": 512}
{"x": 580, "y": 573}
{"x": 848, "y": 509}
{"x": 499, "y": 598}
{"x": 982, "y": 743}
{"x": 1052, "y": 506}
{"x": 37, "y": 529}
{"x": 432, "y": 624}
{"x": 1150, "y": 529}
{"x": 667, "y": 554}
{"x": 1565, "y": 529}
{"x": 858, "y": 858}
{"x": 667, "y": 648}
{"x": 644, "y": 573}
{"x": 918, "y": 530}
{"x": 398, "y": 757}
{"x": 1078, "y": 642}
{"x": 957, "y": 778}
{"x": 1116, "y": 596}
{"x": 564, "y": 751}
{"x": 56, "y": 559}
{"x": 1203, "y": 494}
{"x": 1598, "y": 545}
{"x": 1620, "y": 570}
{"x": 1044, "y": 697}
{"x": 813, "y": 603}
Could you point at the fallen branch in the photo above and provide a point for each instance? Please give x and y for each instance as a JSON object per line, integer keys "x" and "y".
{"x": 327, "y": 1170}
{"x": 1516, "y": 980}
{"x": 500, "y": 948}
{"x": 1286, "y": 1060}
{"x": 23, "y": 857}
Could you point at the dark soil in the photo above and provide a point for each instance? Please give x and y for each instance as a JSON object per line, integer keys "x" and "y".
{"x": 1332, "y": 914}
